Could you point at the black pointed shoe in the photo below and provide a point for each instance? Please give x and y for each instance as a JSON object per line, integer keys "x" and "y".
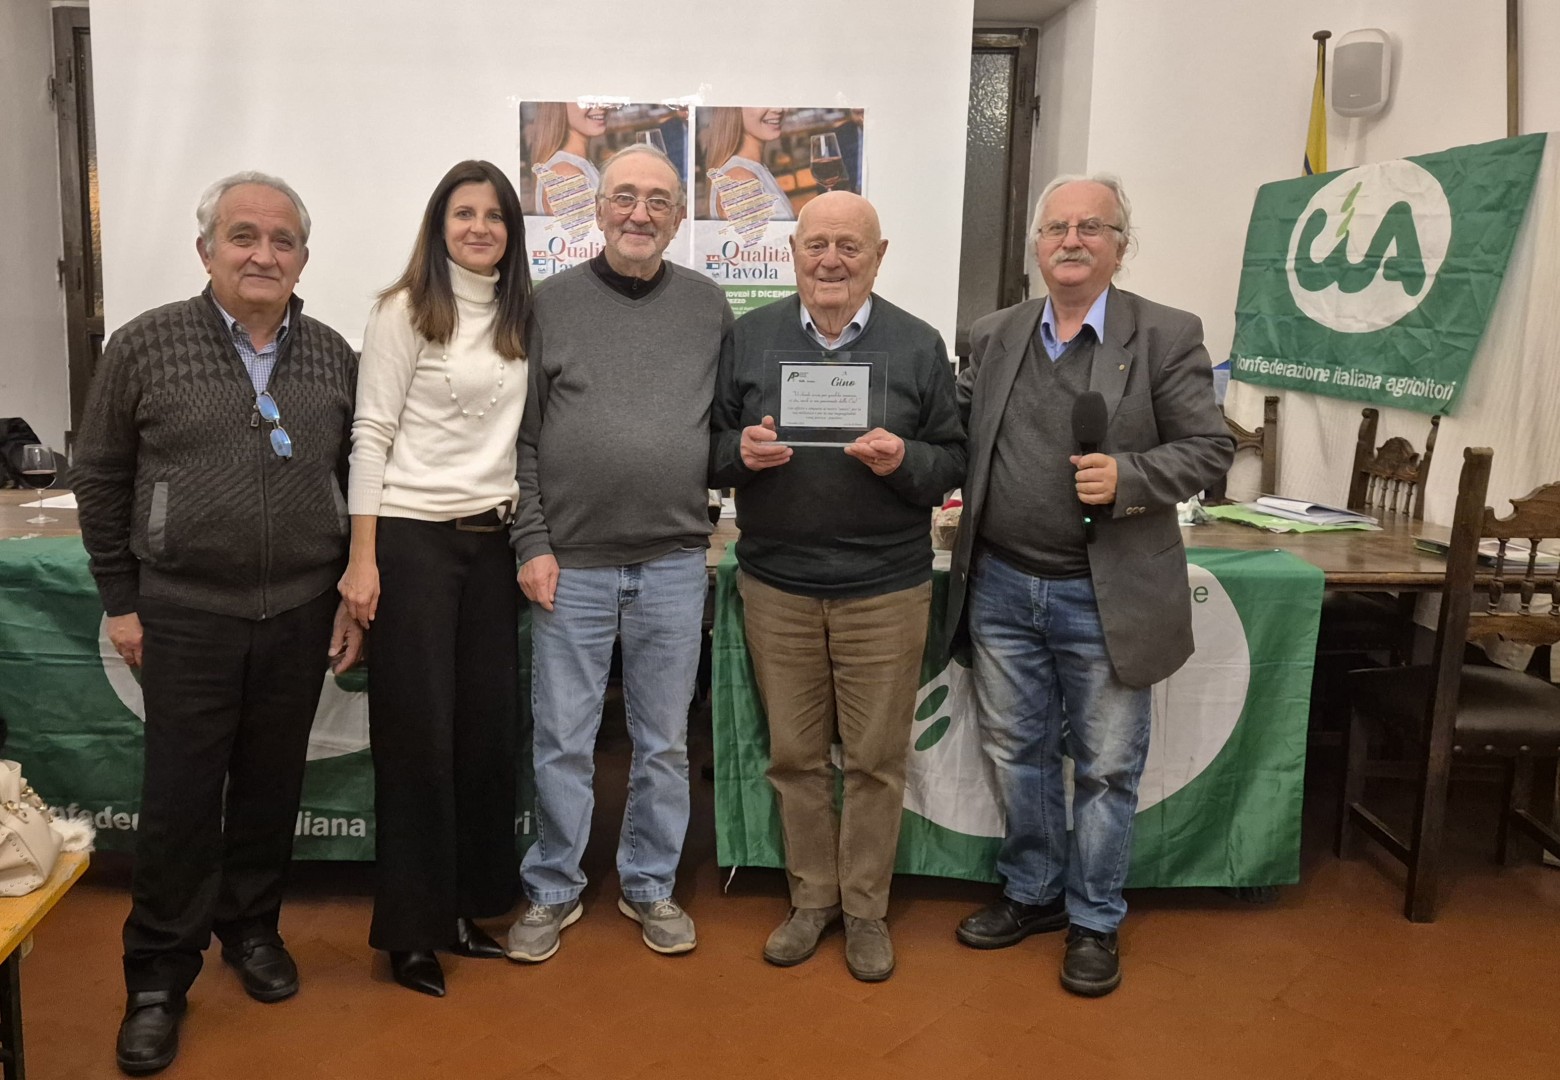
{"x": 1091, "y": 967}
{"x": 1007, "y": 922}
{"x": 472, "y": 940}
{"x": 264, "y": 967}
{"x": 418, "y": 970}
{"x": 149, "y": 1033}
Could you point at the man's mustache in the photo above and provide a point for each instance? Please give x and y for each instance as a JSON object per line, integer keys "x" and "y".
{"x": 1077, "y": 255}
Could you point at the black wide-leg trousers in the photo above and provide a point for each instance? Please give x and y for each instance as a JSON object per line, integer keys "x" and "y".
{"x": 443, "y": 710}
{"x": 229, "y": 704}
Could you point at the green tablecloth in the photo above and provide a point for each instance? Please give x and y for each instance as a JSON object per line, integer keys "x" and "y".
{"x": 1220, "y": 799}
{"x": 74, "y": 713}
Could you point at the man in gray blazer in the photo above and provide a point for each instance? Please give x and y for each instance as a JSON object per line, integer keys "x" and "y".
{"x": 1070, "y": 624}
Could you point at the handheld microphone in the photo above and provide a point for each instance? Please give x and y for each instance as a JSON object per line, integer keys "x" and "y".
{"x": 1089, "y": 421}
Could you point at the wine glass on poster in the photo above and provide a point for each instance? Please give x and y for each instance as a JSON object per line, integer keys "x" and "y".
{"x": 828, "y": 167}
{"x": 38, "y": 473}
{"x": 651, "y": 137}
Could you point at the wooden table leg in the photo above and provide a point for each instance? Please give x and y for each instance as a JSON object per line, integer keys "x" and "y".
{"x": 15, "y": 1065}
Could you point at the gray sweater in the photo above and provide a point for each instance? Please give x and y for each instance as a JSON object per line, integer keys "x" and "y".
{"x": 614, "y": 444}
{"x": 182, "y": 498}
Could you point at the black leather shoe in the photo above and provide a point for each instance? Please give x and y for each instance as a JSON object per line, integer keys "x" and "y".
{"x": 1007, "y": 922}
{"x": 263, "y": 966}
{"x": 418, "y": 970}
{"x": 149, "y": 1033}
{"x": 1091, "y": 966}
{"x": 472, "y": 940}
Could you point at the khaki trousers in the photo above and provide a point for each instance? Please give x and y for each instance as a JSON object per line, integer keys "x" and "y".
{"x": 846, "y": 670}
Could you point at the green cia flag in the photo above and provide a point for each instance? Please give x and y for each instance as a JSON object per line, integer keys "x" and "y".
{"x": 1376, "y": 283}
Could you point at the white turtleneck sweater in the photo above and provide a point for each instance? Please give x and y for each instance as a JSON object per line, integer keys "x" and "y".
{"x": 413, "y": 454}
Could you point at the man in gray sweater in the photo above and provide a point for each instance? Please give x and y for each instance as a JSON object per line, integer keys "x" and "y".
{"x": 611, "y": 536}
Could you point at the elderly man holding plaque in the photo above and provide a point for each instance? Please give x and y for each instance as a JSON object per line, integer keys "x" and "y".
{"x": 836, "y": 422}
{"x": 1091, "y": 414}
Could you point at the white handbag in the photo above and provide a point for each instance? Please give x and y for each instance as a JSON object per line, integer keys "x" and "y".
{"x": 28, "y": 842}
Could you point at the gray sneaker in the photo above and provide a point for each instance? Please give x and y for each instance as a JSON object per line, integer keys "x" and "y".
{"x": 796, "y": 939}
{"x": 666, "y": 926}
{"x": 534, "y": 936}
{"x": 868, "y": 953}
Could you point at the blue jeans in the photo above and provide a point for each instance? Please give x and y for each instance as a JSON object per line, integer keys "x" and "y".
{"x": 1044, "y": 682}
{"x": 658, "y": 608}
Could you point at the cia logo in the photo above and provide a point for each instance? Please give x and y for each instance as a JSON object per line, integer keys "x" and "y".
{"x": 1367, "y": 248}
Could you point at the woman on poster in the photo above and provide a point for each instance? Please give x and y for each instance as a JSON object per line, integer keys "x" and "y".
{"x": 733, "y": 145}
{"x": 562, "y": 136}
{"x": 441, "y": 387}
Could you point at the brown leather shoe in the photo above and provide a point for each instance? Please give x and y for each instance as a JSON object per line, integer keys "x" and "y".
{"x": 869, "y": 954}
{"x": 796, "y": 939}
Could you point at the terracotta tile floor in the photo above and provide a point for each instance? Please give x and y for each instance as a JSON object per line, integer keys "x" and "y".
{"x": 1327, "y": 983}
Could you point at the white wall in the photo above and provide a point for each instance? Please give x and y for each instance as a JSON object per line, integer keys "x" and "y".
{"x": 362, "y": 106}
{"x": 34, "y": 382}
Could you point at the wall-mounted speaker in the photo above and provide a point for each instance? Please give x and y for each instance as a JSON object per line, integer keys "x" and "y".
{"x": 1362, "y": 73}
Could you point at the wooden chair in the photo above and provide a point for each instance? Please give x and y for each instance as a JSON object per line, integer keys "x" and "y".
{"x": 1447, "y": 710}
{"x": 1388, "y": 482}
{"x": 1264, "y": 440}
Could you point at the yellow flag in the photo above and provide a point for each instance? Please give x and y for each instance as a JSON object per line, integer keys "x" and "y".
{"x": 1316, "y": 135}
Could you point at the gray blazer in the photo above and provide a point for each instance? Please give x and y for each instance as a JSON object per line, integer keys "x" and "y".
{"x": 1169, "y": 441}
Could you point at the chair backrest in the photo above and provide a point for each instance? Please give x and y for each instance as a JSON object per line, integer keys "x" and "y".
{"x": 1390, "y": 480}
{"x": 1503, "y": 590}
{"x": 1264, "y": 440}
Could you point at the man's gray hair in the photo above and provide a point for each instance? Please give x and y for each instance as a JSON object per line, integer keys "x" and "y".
{"x": 1107, "y": 180}
{"x": 206, "y": 209}
{"x": 642, "y": 148}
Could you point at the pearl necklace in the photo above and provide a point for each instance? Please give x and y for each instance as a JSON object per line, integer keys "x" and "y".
{"x": 480, "y": 413}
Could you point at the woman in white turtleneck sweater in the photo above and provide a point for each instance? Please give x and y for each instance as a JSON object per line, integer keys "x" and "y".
{"x": 440, "y": 391}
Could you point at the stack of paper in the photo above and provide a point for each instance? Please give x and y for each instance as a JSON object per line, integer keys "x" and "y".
{"x": 1311, "y": 513}
{"x": 1281, "y": 515}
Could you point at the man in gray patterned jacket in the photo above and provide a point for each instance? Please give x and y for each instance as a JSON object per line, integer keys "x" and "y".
{"x": 210, "y": 474}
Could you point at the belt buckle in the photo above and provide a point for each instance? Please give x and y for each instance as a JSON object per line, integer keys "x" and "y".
{"x": 501, "y": 512}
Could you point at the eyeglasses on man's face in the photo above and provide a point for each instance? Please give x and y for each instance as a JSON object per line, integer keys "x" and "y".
{"x": 1088, "y": 228}
{"x": 657, "y": 206}
{"x": 281, "y": 442}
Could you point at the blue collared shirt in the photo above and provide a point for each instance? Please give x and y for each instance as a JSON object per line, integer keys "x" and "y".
{"x": 1095, "y": 320}
{"x": 258, "y": 362}
{"x": 853, "y": 329}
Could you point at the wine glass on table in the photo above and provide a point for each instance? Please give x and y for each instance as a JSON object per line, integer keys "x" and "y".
{"x": 651, "y": 137}
{"x": 38, "y": 473}
{"x": 828, "y": 167}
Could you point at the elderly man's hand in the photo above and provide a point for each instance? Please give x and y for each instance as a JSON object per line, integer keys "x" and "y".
{"x": 346, "y": 640}
{"x": 124, "y": 634}
{"x": 759, "y": 450}
{"x": 1096, "y": 478}
{"x": 881, "y": 451}
{"x": 539, "y": 580}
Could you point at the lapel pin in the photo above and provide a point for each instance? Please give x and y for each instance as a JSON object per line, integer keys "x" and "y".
{"x": 1121, "y": 367}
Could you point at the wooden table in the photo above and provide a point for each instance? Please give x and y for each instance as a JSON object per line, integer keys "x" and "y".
{"x": 18, "y": 916}
{"x": 1350, "y": 561}
{"x": 19, "y": 504}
